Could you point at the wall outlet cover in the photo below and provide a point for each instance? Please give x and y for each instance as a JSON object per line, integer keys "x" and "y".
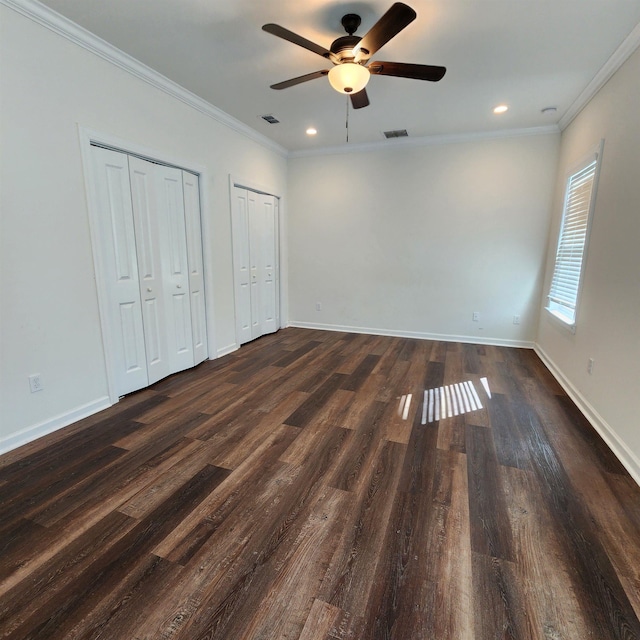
{"x": 35, "y": 382}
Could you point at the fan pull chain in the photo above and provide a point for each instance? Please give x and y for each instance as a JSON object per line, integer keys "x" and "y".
{"x": 347, "y": 123}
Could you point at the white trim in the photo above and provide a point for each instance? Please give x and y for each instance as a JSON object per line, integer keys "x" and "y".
{"x": 617, "y": 59}
{"x": 89, "y": 136}
{"x": 225, "y": 351}
{"x": 620, "y": 449}
{"x": 208, "y": 237}
{"x": 34, "y": 432}
{"x": 448, "y": 138}
{"x": 78, "y": 35}
{"x": 251, "y": 185}
{"x": 418, "y": 335}
{"x": 98, "y": 267}
{"x": 559, "y": 320}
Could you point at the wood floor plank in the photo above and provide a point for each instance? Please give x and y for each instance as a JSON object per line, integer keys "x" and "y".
{"x": 423, "y": 586}
{"x": 499, "y": 607}
{"x": 126, "y": 607}
{"x": 547, "y": 590}
{"x": 25, "y": 500}
{"x": 490, "y": 531}
{"x": 281, "y": 607}
{"x": 39, "y": 595}
{"x": 602, "y": 596}
{"x": 349, "y": 578}
{"x": 511, "y": 448}
{"x": 361, "y": 373}
{"x": 321, "y": 623}
{"x": 259, "y": 468}
{"x": 262, "y": 533}
{"x": 450, "y": 555}
{"x": 316, "y": 400}
{"x": 86, "y": 516}
{"x": 290, "y": 490}
{"x": 360, "y": 450}
{"x": 188, "y": 460}
{"x": 111, "y": 568}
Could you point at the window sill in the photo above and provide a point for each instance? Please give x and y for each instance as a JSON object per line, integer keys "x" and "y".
{"x": 561, "y": 320}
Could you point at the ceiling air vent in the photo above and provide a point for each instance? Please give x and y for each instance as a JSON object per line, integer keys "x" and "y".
{"x": 398, "y": 133}
{"x": 270, "y": 119}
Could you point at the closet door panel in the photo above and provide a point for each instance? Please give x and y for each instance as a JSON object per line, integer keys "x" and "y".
{"x": 118, "y": 259}
{"x": 241, "y": 263}
{"x": 148, "y": 231}
{"x": 255, "y": 262}
{"x": 175, "y": 269}
{"x": 131, "y": 336}
{"x": 191, "y": 191}
{"x": 267, "y": 213}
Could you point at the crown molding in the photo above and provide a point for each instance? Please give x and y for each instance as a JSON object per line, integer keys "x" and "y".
{"x": 619, "y": 57}
{"x": 73, "y": 32}
{"x": 403, "y": 143}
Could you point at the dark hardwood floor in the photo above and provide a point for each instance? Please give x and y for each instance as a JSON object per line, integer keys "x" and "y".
{"x": 294, "y": 490}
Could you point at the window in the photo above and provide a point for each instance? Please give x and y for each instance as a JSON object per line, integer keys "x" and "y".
{"x": 572, "y": 243}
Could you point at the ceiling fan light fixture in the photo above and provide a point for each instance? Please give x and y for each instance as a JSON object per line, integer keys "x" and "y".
{"x": 349, "y": 77}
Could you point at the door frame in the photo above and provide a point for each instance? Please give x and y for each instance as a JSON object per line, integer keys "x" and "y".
{"x": 89, "y": 137}
{"x": 253, "y": 185}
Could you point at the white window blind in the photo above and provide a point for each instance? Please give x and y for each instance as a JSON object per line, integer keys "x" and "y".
{"x": 567, "y": 274}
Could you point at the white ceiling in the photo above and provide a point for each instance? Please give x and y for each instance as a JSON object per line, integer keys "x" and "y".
{"x": 529, "y": 54}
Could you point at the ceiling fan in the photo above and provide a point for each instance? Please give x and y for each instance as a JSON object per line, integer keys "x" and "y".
{"x": 350, "y": 55}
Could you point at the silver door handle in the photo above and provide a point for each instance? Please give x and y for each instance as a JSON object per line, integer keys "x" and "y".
{"x": 179, "y": 286}
{"x": 149, "y": 289}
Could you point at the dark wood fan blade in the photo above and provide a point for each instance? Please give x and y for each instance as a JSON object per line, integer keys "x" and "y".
{"x": 390, "y": 25}
{"x": 285, "y": 34}
{"x": 300, "y": 79}
{"x": 404, "y": 70}
{"x": 360, "y": 99}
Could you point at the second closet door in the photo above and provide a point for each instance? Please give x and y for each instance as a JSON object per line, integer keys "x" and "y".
{"x": 255, "y": 255}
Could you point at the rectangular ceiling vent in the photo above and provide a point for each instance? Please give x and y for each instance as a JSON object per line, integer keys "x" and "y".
{"x": 270, "y": 119}
{"x": 398, "y": 133}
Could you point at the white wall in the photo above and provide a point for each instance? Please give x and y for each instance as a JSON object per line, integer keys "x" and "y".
{"x": 412, "y": 240}
{"x": 608, "y": 328}
{"x": 49, "y": 314}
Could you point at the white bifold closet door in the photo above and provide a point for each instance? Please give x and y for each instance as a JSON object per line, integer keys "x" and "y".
{"x": 255, "y": 258}
{"x": 151, "y": 258}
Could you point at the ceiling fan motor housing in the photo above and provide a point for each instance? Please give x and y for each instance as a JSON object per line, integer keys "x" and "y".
{"x": 343, "y": 47}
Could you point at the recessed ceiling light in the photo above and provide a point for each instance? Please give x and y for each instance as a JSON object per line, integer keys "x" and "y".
{"x": 311, "y": 131}
{"x": 501, "y": 108}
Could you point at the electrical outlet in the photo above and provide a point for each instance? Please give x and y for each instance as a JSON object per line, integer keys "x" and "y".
{"x": 516, "y": 319}
{"x": 590, "y": 366}
{"x": 318, "y": 306}
{"x": 35, "y": 382}
{"x": 476, "y": 316}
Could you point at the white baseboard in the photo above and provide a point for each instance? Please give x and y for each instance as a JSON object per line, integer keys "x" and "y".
{"x": 230, "y": 348}
{"x": 34, "y": 432}
{"x": 497, "y": 342}
{"x": 628, "y": 459}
